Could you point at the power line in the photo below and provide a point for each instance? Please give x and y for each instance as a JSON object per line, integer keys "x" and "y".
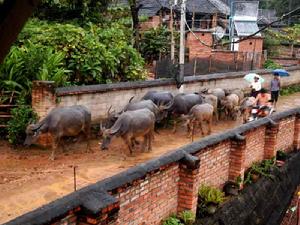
{"x": 244, "y": 38}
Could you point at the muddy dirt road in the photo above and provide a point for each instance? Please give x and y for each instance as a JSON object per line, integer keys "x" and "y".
{"x": 28, "y": 179}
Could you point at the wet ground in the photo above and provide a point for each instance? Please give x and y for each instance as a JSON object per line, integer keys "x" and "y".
{"x": 28, "y": 179}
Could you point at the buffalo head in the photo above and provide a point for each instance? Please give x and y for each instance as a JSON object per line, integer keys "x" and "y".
{"x": 32, "y": 134}
{"x": 163, "y": 111}
{"x": 109, "y": 121}
{"x": 107, "y": 136}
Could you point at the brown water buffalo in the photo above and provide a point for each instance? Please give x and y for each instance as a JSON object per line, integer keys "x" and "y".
{"x": 61, "y": 122}
{"x": 212, "y": 100}
{"x": 130, "y": 125}
{"x": 230, "y": 105}
{"x": 246, "y": 106}
{"x": 199, "y": 114}
{"x": 236, "y": 91}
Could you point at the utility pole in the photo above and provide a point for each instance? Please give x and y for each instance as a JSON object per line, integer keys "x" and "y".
{"x": 231, "y": 26}
{"x": 172, "y": 33}
{"x": 182, "y": 47}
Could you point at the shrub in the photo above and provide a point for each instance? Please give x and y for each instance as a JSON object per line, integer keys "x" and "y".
{"x": 270, "y": 64}
{"x": 211, "y": 195}
{"x": 154, "y": 42}
{"x": 261, "y": 169}
{"x": 172, "y": 220}
{"x": 187, "y": 217}
{"x": 70, "y": 54}
{"x": 22, "y": 116}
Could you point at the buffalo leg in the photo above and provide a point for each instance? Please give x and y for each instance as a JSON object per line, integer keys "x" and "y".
{"x": 201, "y": 127}
{"x": 150, "y": 138}
{"x": 174, "y": 126}
{"x": 54, "y": 147}
{"x": 209, "y": 125}
{"x": 129, "y": 144}
{"x": 145, "y": 143}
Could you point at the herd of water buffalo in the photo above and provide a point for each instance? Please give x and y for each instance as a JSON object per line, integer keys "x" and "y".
{"x": 138, "y": 118}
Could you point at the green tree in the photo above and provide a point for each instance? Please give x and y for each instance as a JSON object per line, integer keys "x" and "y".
{"x": 290, "y": 35}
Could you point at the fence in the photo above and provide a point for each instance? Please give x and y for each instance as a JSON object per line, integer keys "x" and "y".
{"x": 151, "y": 191}
{"x": 217, "y": 62}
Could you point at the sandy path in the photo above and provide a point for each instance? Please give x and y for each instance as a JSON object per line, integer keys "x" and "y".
{"x": 29, "y": 180}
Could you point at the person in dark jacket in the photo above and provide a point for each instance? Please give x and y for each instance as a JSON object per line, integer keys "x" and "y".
{"x": 275, "y": 89}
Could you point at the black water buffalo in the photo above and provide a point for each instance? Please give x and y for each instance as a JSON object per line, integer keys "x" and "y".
{"x": 61, "y": 122}
{"x": 159, "y": 111}
{"x": 183, "y": 103}
{"x": 129, "y": 125}
{"x": 159, "y": 97}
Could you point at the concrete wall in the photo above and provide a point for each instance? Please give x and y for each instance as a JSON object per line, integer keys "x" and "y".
{"x": 98, "y": 98}
{"x": 148, "y": 193}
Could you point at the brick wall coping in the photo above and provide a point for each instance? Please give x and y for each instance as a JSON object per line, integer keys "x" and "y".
{"x": 74, "y": 90}
{"x": 94, "y": 198}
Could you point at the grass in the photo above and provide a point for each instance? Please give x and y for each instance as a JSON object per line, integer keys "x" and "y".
{"x": 290, "y": 90}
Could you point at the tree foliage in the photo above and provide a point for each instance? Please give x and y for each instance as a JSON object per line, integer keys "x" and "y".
{"x": 72, "y": 9}
{"x": 155, "y": 42}
{"x": 70, "y": 55}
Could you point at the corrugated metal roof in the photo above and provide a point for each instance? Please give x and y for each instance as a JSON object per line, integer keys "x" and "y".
{"x": 151, "y": 7}
{"x": 245, "y": 28}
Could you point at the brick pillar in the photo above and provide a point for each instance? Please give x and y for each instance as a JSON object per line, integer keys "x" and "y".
{"x": 297, "y": 133}
{"x": 188, "y": 184}
{"x": 271, "y": 140}
{"x": 237, "y": 158}
{"x": 43, "y": 100}
{"x": 43, "y": 97}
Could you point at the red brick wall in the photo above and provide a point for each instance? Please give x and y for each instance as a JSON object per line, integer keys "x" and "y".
{"x": 285, "y": 137}
{"x": 214, "y": 164}
{"x": 255, "y": 144}
{"x": 196, "y": 49}
{"x": 150, "y": 200}
{"x": 251, "y": 45}
{"x": 173, "y": 187}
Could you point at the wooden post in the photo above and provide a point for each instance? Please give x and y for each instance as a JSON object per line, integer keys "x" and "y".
{"x": 195, "y": 66}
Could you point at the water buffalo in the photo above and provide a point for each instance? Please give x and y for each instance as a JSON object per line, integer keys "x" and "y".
{"x": 159, "y": 97}
{"x": 246, "y": 106}
{"x": 198, "y": 115}
{"x": 129, "y": 125}
{"x": 236, "y": 91}
{"x": 230, "y": 105}
{"x": 212, "y": 100}
{"x": 183, "y": 103}
{"x": 61, "y": 122}
{"x": 160, "y": 111}
{"x": 219, "y": 92}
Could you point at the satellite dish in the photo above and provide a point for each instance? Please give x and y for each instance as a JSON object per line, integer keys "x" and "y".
{"x": 219, "y": 33}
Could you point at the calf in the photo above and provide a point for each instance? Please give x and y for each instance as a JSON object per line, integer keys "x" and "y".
{"x": 199, "y": 114}
{"x": 230, "y": 105}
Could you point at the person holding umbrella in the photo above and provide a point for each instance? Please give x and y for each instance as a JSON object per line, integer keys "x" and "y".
{"x": 275, "y": 88}
{"x": 256, "y": 86}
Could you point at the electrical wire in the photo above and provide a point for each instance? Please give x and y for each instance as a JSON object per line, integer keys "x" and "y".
{"x": 244, "y": 38}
